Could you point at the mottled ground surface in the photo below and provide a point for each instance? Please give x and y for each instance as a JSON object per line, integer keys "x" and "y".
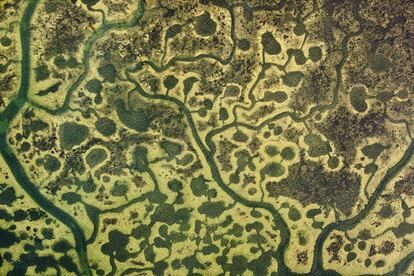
{"x": 210, "y": 137}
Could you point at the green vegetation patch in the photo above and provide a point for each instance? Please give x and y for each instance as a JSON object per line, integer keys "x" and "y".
{"x": 212, "y": 209}
{"x": 72, "y": 134}
{"x": 90, "y": 3}
{"x": 95, "y": 157}
{"x": 175, "y": 185}
{"x": 7, "y": 196}
{"x": 170, "y": 82}
{"x": 51, "y": 163}
{"x": 223, "y": 114}
{"x": 171, "y": 148}
{"x": 72, "y": 62}
{"x": 231, "y": 91}
{"x": 240, "y": 136}
{"x": 278, "y": 96}
{"x": 270, "y": 45}
{"x": 50, "y": 90}
{"x": 294, "y": 214}
{"x": 88, "y": 185}
{"x": 71, "y": 198}
{"x": 133, "y": 119}
{"x": 271, "y": 150}
{"x": 288, "y": 153}
{"x": 371, "y": 168}
{"x": 105, "y": 126}
{"x": 204, "y": 25}
{"x": 173, "y": 31}
{"x": 298, "y": 54}
{"x": 384, "y": 96}
{"x": 117, "y": 241}
{"x": 42, "y": 72}
{"x": 199, "y": 186}
{"x": 315, "y": 53}
{"x": 292, "y": 79}
{"x": 357, "y": 98}
{"x": 94, "y": 86}
{"x": 62, "y": 246}
{"x": 188, "y": 84}
{"x": 379, "y": 63}
{"x": 5, "y": 41}
{"x": 403, "y": 94}
{"x": 244, "y": 44}
{"x": 299, "y": 29}
{"x": 119, "y": 189}
{"x": 386, "y": 211}
{"x": 60, "y": 62}
{"x": 373, "y": 151}
{"x": 108, "y": 72}
{"x": 333, "y": 162}
{"x": 317, "y": 147}
{"x": 139, "y": 159}
{"x": 7, "y": 238}
{"x": 38, "y": 125}
{"x": 272, "y": 169}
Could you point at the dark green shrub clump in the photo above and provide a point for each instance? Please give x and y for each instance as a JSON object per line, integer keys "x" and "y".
{"x": 95, "y": 157}
{"x": 72, "y": 134}
{"x": 270, "y": 45}
{"x": 204, "y": 25}
{"x": 105, "y": 126}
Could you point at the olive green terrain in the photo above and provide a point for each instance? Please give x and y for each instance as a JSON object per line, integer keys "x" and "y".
{"x": 206, "y": 137}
